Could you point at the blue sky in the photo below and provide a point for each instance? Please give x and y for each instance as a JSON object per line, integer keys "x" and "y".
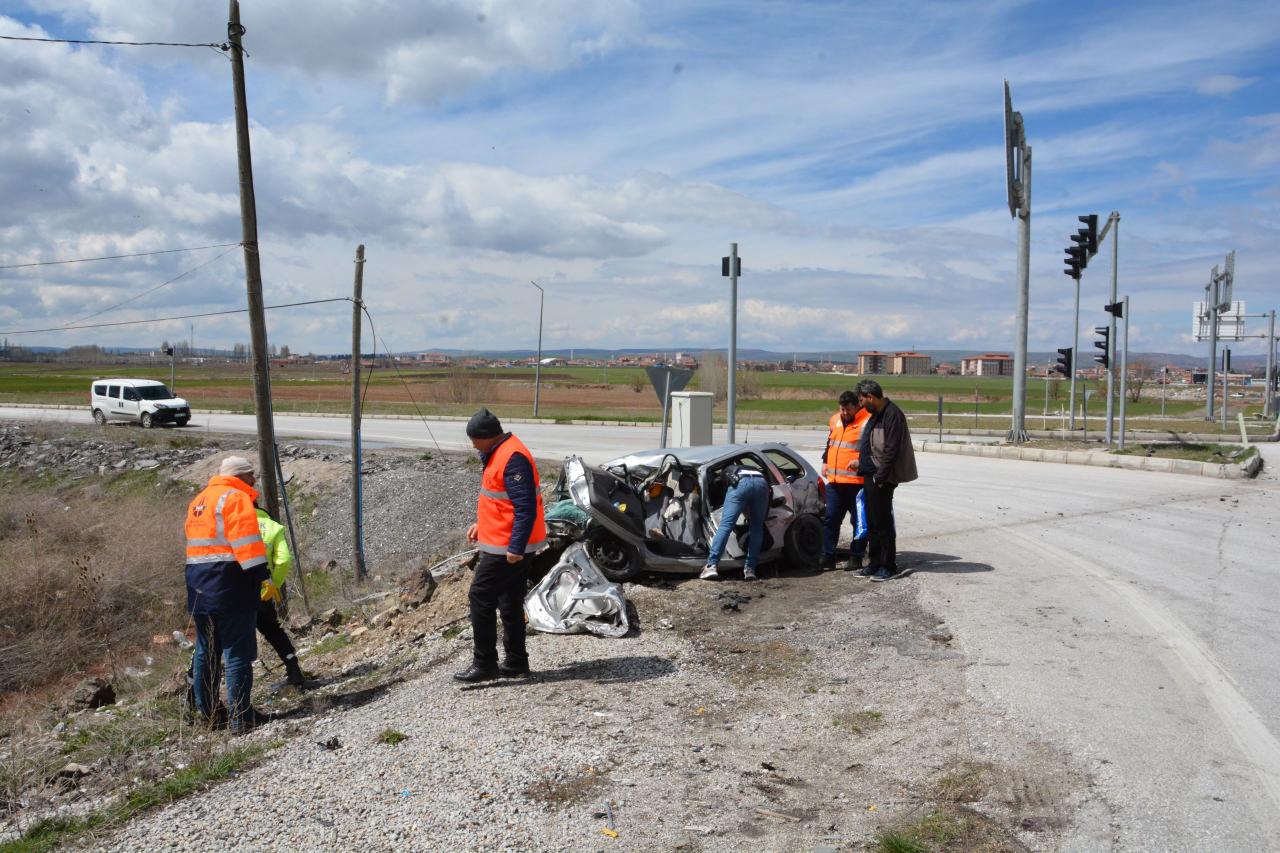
{"x": 612, "y": 151}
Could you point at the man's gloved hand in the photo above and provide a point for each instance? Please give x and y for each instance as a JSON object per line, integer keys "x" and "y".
{"x": 270, "y": 593}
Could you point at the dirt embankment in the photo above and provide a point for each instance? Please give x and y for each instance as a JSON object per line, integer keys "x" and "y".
{"x": 808, "y": 711}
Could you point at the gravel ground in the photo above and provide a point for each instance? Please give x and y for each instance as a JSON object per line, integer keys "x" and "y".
{"x": 833, "y": 704}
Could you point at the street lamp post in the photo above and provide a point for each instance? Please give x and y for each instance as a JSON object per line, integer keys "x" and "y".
{"x": 537, "y": 365}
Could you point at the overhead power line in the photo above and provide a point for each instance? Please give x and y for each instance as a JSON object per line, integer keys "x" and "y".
{"x": 180, "y": 275}
{"x": 219, "y": 46}
{"x": 167, "y": 319}
{"x": 116, "y": 257}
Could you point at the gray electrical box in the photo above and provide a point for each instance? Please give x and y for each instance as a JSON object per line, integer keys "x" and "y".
{"x": 690, "y": 418}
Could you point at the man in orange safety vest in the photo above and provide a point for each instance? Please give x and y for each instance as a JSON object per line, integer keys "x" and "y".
{"x": 510, "y": 527}
{"x": 840, "y": 470}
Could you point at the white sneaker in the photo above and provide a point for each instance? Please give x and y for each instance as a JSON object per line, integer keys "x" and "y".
{"x": 709, "y": 573}
{"x": 749, "y": 574}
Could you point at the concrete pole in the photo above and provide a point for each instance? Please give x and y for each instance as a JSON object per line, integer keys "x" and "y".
{"x": 357, "y": 490}
{"x": 1018, "y": 431}
{"x": 1124, "y": 370}
{"x": 268, "y": 485}
{"x": 173, "y": 367}
{"x": 733, "y": 341}
{"x": 1075, "y": 358}
{"x": 537, "y": 365}
{"x": 1111, "y": 337}
{"x": 1226, "y": 357}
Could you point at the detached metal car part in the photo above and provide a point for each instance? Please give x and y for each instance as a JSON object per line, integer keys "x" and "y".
{"x": 658, "y": 510}
{"x": 575, "y": 597}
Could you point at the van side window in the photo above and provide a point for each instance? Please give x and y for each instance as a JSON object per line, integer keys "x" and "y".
{"x": 130, "y": 394}
{"x": 114, "y": 392}
{"x": 100, "y": 390}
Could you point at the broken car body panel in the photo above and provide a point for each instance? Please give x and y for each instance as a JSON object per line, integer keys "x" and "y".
{"x": 574, "y": 597}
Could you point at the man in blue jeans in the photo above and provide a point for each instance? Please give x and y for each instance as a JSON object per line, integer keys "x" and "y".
{"x": 748, "y": 492}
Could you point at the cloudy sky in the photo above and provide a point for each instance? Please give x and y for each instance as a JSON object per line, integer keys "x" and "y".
{"x": 612, "y": 151}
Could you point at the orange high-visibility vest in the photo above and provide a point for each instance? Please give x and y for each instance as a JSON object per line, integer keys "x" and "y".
{"x": 841, "y": 462}
{"x": 222, "y": 525}
{"x": 495, "y": 513}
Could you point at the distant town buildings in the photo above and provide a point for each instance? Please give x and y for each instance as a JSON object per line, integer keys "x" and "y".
{"x": 987, "y": 364}
{"x": 910, "y": 364}
{"x": 873, "y": 363}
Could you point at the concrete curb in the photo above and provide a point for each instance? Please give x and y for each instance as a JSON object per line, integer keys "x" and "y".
{"x": 1226, "y": 471}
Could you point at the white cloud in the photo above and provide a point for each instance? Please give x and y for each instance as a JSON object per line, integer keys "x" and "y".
{"x": 1223, "y": 84}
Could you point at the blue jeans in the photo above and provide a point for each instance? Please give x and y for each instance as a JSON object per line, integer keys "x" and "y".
{"x": 841, "y": 501}
{"x": 751, "y": 496}
{"x": 233, "y": 638}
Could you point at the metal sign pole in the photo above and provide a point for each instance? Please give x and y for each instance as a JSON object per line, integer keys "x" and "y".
{"x": 1111, "y": 337}
{"x": 537, "y": 367}
{"x": 1124, "y": 371}
{"x": 1018, "y": 432}
{"x": 1075, "y": 343}
{"x": 1268, "y": 402}
{"x": 666, "y": 407}
{"x": 1226, "y": 369}
{"x": 732, "y": 366}
{"x": 1211, "y": 380}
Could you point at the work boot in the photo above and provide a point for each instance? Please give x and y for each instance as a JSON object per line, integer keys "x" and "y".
{"x": 475, "y": 674}
{"x": 855, "y": 562}
{"x": 828, "y": 562}
{"x": 293, "y": 672}
{"x": 506, "y": 670}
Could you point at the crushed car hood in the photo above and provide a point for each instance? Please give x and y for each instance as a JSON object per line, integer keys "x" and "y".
{"x": 575, "y": 598}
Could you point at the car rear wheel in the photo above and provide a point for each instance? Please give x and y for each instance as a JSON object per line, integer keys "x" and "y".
{"x": 617, "y": 560}
{"x": 146, "y": 420}
{"x": 99, "y": 418}
{"x": 803, "y": 546}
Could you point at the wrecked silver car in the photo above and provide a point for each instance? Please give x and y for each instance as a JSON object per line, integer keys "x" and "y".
{"x": 658, "y": 510}
{"x": 574, "y": 597}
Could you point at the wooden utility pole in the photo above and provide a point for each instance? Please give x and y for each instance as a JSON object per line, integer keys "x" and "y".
{"x": 357, "y": 510}
{"x": 268, "y": 485}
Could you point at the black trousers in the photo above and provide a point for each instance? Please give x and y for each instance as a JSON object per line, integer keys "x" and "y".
{"x": 882, "y": 538}
{"x": 498, "y": 587}
{"x": 269, "y": 627}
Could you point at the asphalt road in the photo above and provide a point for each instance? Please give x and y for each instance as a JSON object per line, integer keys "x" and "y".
{"x": 1125, "y": 618}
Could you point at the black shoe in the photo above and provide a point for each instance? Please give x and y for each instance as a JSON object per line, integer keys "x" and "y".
{"x": 475, "y": 674}
{"x": 294, "y": 674}
{"x": 883, "y": 575}
{"x": 855, "y": 563}
{"x": 505, "y": 671}
{"x": 828, "y": 562}
{"x": 252, "y": 720}
{"x": 866, "y": 572}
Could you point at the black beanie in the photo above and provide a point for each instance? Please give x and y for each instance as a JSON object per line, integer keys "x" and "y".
{"x": 484, "y": 424}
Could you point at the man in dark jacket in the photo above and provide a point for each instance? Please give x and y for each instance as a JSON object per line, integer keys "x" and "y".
{"x": 510, "y": 527}
{"x": 886, "y": 458}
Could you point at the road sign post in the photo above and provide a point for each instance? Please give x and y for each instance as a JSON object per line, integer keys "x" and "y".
{"x": 731, "y": 266}
{"x": 1018, "y": 187}
{"x": 667, "y": 380}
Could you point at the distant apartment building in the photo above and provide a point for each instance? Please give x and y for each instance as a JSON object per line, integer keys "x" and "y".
{"x": 946, "y": 369}
{"x": 873, "y": 363}
{"x": 910, "y": 364}
{"x": 987, "y": 364}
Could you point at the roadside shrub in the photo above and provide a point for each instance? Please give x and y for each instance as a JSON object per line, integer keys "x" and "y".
{"x": 88, "y": 576}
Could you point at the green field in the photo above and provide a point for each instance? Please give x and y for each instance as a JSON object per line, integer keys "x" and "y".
{"x": 592, "y": 393}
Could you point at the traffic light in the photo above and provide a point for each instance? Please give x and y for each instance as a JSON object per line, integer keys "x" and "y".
{"x": 168, "y": 350}
{"x": 1065, "y": 361}
{"x": 1075, "y": 261}
{"x": 1116, "y": 308}
{"x": 1226, "y": 359}
{"x": 1105, "y": 333}
{"x": 1090, "y": 232}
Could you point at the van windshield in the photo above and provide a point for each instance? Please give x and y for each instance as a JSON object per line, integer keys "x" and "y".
{"x": 154, "y": 392}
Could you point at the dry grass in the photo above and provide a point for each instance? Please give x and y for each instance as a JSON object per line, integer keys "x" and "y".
{"x": 90, "y": 573}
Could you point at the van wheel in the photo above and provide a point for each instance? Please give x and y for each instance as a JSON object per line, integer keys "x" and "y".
{"x": 99, "y": 418}
{"x": 617, "y": 560}
{"x": 803, "y": 544}
{"x": 146, "y": 420}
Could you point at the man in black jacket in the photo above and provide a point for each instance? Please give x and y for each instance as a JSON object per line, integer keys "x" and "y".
{"x": 886, "y": 458}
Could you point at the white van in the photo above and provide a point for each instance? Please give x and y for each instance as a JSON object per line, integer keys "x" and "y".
{"x": 143, "y": 400}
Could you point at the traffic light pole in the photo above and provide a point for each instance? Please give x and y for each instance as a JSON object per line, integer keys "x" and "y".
{"x": 1075, "y": 344}
{"x": 1114, "y": 221}
{"x": 1124, "y": 366}
{"x": 732, "y": 389}
{"x": 1269, "y": 384}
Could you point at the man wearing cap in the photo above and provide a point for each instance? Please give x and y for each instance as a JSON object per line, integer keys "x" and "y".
{"x": 226, "y": 574}
{"x": 509, "y": 527}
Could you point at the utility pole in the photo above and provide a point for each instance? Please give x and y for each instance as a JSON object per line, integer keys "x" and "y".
{"x": 1075, "y": 344}
{"x": 1018, "y": 160}
{"x": 537, "y": 366}
{"x": 1124, "y": 365}
{"x": 267, "y": 483}
{"x": 357, "y": 489}
{"x": 732, "y": 267}
{"x": 1211, "y": 380}
{"x": 1226, "y": 383}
